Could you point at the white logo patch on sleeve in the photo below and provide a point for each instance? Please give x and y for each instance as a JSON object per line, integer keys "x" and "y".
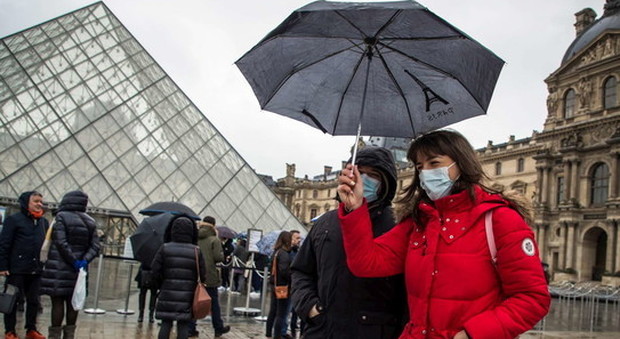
{"x": 528, "y": 247}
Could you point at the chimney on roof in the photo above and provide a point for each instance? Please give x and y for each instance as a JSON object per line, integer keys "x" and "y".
{"x": 584, "y": 19}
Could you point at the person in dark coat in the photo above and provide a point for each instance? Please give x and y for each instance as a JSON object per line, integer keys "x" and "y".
{"x": 175, "y": 266}
{"x": 20, "y": 247}
{"x": 329, "y": 299}
{"x": 229, "y": 248}
{"x": 75, "y": 243}
{"x": 280, "y": 276}
{"x": 146, "y": 284}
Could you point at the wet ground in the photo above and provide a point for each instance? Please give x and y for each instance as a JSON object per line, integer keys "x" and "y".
{"x": 566, "y": 319}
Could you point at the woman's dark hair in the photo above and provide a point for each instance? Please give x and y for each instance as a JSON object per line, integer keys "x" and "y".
{"x": 283, "y": 241}
{"x": 454, "y": 145}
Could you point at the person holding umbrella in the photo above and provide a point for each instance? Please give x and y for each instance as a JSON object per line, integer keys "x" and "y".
{"x": 471, "y": 264}
{"x": 329, "y": 299}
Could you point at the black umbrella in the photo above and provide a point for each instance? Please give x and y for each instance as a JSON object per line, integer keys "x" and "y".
{"x": 149, "y": 236}
{"x": 226, "y": 232}
{"x": 391, "y": 69}
{"x": 173, "y": 207}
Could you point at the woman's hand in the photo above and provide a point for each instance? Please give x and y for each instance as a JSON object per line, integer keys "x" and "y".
{"x": 351, "y": 188}
{"x": 461, "y": 335}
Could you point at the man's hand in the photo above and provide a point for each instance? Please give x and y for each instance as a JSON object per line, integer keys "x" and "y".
{"x": 313, "y": 312}
{"x": 5, "y": 273}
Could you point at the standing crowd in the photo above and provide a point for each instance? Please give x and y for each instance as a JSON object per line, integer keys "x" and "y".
{"x": 447, "y": 257}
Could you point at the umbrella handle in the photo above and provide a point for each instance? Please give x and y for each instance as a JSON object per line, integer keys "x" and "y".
{"x": 359, "y": 125}
{"x": 357, "y": 138}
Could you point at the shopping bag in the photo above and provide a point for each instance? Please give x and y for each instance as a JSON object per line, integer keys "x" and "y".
{"x": 79, "y": 291}
{"x": 8, "y": 296}
{"x": 47, "y": 243}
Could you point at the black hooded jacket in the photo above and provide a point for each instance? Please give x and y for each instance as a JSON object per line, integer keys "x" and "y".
{"x": 74, "y": 237}
{"x": 349, "y": 307}
{"x": 174, "y": 266}
{"x": 21, "y": 240}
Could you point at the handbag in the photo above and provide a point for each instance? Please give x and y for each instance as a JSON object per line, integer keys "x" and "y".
{"x": 147, "y": 279}
{"x": 47, "y": 243}
{"x": 8, "y": 296}
{"x": 201, "y": 306}
{"x": 280, "y": 291}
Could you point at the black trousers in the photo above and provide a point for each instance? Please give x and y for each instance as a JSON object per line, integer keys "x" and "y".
{"x": 28, "y": 285}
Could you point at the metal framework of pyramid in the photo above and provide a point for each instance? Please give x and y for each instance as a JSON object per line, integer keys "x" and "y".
{"x": 84, "y": 106}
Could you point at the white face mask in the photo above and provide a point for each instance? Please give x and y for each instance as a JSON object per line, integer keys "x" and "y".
{"x": 436, "y": 182}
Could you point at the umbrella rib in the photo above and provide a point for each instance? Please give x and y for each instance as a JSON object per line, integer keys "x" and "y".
{"x": 296, "y": 70}
{"x": 435, "y": 69}
{"x": 387, "y": 23}
{"x": 357, "y": 66}
{"x": 400, "y": 90}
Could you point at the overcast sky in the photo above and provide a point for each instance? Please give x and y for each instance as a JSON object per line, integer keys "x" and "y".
{"x": 197, "y": 42}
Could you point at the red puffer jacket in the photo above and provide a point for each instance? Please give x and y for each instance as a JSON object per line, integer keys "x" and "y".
{"x": 452, "y": 283}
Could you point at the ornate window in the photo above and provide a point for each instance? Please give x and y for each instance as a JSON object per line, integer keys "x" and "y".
{"x": 609, "y": 99}
{"x": 569, "y": 103}
{"x": 560, "y": 190}
{"x": 498, "y": 168}
{"x": 599, "y": 184}
{"x": 520, "y": 165}
{"x": 315, "y": 194}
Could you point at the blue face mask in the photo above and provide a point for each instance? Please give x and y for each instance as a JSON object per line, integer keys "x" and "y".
{"x": 371, "y": 187}
{"x": 436, "y": 182}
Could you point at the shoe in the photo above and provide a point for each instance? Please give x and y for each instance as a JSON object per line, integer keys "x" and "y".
{"x": 11, "y": 335}
{"x": 34, "y": 334}
{"x": 224, "y": 330}
{"x": 141, "y": 318}
{"x": 193, "y": 333}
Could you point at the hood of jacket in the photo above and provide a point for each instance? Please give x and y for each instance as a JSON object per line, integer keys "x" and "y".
{"x": 206, "y": 230}
{"x": 74, "y": 201}
{"x": 182, "y": 230}
{"x": 380, "y": 159}
{"x": 24, "y": 199}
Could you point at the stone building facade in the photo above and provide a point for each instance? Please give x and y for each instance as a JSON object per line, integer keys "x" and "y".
{"x": 570, "y": 169}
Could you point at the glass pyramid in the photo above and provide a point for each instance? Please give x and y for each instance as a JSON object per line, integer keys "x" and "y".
{"x": 84, "y": 106}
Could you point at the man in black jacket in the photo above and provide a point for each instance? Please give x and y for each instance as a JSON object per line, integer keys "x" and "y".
{"x": 20, "y": 247}
{"x": 327, "y": 297}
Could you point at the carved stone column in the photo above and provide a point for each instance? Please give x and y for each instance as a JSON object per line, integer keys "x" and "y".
{"x": 613, "y": 180}
{"x": 539, "y": 183}
{"x": 611, "y": 242}
{"x": 617, "y": 237}
{"x": 567, "y": 181}
{"x": 563, "y": 246}
{"x": 541, "y": 241}
{"x": 574, "y": 179}
{"x": 570, "y": 246}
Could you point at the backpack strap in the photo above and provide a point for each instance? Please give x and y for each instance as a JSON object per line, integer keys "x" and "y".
{"x": 488, "y": 228}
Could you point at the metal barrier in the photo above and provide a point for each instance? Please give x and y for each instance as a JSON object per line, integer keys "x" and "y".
{"x": 113, "y": 282}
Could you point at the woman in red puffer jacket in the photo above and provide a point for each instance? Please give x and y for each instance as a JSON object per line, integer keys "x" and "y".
{"x": 455, "y": 288}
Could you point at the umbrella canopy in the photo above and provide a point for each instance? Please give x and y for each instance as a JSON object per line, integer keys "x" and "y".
{"x": 225, "y": 232}
{"x": 265, "y": 244}
{"x": 391, "y": 69}
{"x": 149, "y": 236}
{"x": 173, "y": 207}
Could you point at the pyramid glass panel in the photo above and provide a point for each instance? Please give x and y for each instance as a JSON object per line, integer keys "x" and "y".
{"x": 84, "y": 106}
